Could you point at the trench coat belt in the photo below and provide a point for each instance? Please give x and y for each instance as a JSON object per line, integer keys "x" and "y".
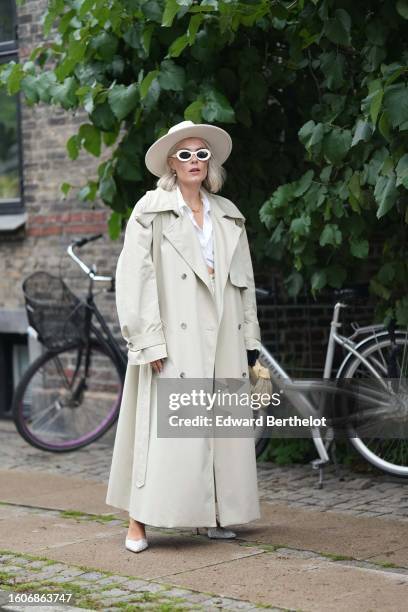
{"x": 142, "y": 424}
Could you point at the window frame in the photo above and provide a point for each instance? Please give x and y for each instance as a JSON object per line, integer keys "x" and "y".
{"x": 8, "y": 52}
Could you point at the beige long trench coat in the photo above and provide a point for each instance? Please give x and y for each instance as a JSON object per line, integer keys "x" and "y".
{"x": 167, "y": 309}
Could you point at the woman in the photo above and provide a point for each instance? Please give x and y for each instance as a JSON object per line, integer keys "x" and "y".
{"x": 186, "y": 305}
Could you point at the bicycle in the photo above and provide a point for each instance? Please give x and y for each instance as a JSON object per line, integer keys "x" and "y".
{"x": 71, "y": 394}
{"x": 380, "y": 356}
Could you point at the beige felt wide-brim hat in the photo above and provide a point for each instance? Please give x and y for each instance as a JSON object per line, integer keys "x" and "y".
{"x": 218, "y": 139}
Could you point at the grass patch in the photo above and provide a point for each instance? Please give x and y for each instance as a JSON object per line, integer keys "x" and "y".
{"x": 265, "y": 547}
{"x": 84, "y": 516}
{"x": 27, "y": 556}
{"x": 386, "y": 564}
{"x": 336, "y": 557}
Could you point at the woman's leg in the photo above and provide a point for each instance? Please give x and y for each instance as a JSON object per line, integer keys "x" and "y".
{"x": 136, "y": 529}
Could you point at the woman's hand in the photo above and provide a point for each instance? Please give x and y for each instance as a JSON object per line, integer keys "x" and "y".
{"x": 157, "y": 365}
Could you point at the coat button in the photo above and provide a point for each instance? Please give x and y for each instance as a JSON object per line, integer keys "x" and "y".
{"x": 130, "y": 344}
{"x": 239, "y": 325}
{"x": 244, "y": 374}
{"x": 182, "y": 374}
{"x": 184, "y": 275}
{"x": 183, "y": 325}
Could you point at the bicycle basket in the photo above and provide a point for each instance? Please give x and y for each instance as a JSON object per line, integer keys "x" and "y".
{"x": 57, "y": 314}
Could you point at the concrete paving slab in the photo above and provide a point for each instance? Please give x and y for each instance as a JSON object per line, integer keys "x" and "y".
{"x": 332, "y": 533}
{"x": 167, "y": 554}
{"x": 398, "y": 557}
{"x": 38, "y": 534}
{"x": 52, "y": 491}
{"x": 310, "y": 585}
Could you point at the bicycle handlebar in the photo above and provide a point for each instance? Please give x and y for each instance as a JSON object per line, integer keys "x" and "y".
{"x": 82, "y": 241}
{"x": 89, "y": 271}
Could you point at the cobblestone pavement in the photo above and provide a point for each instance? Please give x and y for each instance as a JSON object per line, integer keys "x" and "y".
{"x": 369, "y": 495}
{"x": 22, "y": 575}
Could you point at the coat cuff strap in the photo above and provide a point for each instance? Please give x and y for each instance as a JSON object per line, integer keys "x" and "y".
{"x": 252, "y": 330}
{"x": 135, "y": 343}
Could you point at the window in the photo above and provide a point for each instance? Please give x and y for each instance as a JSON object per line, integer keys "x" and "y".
{"x": 10, "y": 150}
{"x": 13, "y": 363}
{"x": 7, "y": 22}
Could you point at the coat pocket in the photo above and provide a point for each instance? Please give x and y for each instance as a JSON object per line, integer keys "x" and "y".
{"x": 237, "y": 275}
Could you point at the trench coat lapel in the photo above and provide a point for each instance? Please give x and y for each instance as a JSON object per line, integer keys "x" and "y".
{"x": 181, "y": 233}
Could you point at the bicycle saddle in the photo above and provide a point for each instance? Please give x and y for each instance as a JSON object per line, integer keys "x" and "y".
{"x": 351, "y": 292}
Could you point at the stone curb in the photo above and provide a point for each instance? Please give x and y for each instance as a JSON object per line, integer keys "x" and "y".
{"x": 99, "y": 589}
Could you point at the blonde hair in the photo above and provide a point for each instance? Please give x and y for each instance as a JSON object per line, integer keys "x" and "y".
{"x": 213, "y": 182}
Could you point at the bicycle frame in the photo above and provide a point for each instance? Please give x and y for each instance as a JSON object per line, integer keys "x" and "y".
{"x": 105, "y": 337}
{"x": 298, "y": 397}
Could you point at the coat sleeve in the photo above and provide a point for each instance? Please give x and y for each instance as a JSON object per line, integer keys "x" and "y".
{"x": 137, "y": 301}
{"x": 252, "y": 331}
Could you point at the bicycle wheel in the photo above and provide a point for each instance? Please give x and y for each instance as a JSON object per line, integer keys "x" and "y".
{"x": 389, "y": 455}
{"x": 62, "y": 404}
{"x": 260, "y": 446}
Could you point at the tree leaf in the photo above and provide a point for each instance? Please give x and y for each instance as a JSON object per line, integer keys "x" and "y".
{"x": 115, "y": 225}
{"x": 402, "y": 8}
{"x": 193, "y": 111}
{"x": 72, "y": 146}
{"x": 194, "y": 24}
{"x": 294, "y": 283}
{"x": 64, "y": 93}
{"x": 338, "y": 28}
{"x": 330, "y": 235}
{"x": 90, "y": 138}
{"x": 178, "y": 45}
{"x": 103, "y": 118}
{"x": 396, "y": 103}
{"x": 362, "y": 131}
{"x": 336, "y": 145}
{"x": 107, "y": 189}
{"x": 402, "y": 171}
{"x": 385, "y": 194}
{"x": 65, "y": 188}
{"x": 336, "y": 275}
{"x": 171, "y": 9}
{"x": 123, "y": 99}
{"x": 318, "y": 280}
{"x": 217, "y": 108}
{"x": 147, "y": 81}
{"x": 359, "y": 248}
{"x": 171, "y": 76}
{"x": 332, "y": 65}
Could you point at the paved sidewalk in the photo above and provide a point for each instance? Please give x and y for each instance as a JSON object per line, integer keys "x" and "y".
{"x": 344, "y": 547}
{"x": 375, "y": 495}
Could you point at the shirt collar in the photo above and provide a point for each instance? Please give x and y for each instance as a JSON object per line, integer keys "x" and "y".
{"x": 183, "y": 206}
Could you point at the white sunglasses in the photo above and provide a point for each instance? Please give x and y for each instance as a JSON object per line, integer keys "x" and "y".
{"x": 184, "y": 155}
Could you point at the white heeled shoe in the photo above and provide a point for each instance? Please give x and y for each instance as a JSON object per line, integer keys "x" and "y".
{"x": 136, "y": 545}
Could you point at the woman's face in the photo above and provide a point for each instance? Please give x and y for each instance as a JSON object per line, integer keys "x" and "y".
{"x": 192, "y": 172}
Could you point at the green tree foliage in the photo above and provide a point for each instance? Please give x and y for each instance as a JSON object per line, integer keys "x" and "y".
{"x": 313, "y": 93}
